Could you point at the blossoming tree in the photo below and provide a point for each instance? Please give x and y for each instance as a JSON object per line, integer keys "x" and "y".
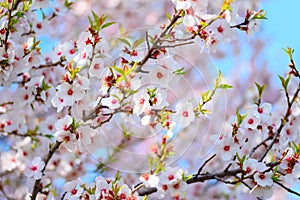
{"x": 116, "y": 114}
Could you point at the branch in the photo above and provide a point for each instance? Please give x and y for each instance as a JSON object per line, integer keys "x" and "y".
{"x": 287, "y": 189}
{"x": 158, "y": 40}
{"x": 257, "y": 146}
{"x": 203, "y": 165}
{"x": 175, "y": 45}
{"x": 283, "y": 122}
{"x": 36, "y": 187}
{"x": 196, "y": 179}
{"x": 14, "y": 7}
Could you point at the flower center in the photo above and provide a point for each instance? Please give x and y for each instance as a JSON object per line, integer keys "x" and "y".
{"x": 185, "y": 114}
{"x": 171, "y": 177}
{"x": 226, "y": 148}
{"x": 70, "y": 92}
{"x": 250, "y": 121}
{"x": 33, "y": 168}
{"x": 262, "y": 176}
{"x": 159, "y": 75}
{"x": 260, "y": 110}
{"x": 176, "y": 186}
{"x": 220, "y": 29}
{"x": 142, "y": 101}
{"x": 74, "y": 191}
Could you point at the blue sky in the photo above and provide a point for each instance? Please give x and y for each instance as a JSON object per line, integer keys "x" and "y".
{"x": 281, "y": 29}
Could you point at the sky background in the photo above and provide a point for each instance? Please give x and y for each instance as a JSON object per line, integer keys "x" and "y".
{"x": 281, "y": 30}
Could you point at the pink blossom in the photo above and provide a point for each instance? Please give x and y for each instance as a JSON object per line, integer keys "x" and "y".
{"x": 34, "y": 168}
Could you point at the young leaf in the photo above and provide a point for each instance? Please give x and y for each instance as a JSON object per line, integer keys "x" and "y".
{"x": 260, "y": 89}
{"x": 224, "y": 86}
{"x": 289, "y": 52}
{"x": 125, "y": 41}
{"x": 180, "y": 71}
{"x": 138, "y": 42}
{"x": 107, "y": 25}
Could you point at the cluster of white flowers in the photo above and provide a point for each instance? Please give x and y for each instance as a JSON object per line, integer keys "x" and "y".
{"x": 56, "y": 106}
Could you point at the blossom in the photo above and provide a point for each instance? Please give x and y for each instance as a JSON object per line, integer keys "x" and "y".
{"x": 264, "y": 179}
{"x": 83, "y": 136}
{"x": 171, "y": 176}
{"x": 184, "y": 114}
{"x": 182, "y": 4}
{"x": 69, "y": 50}
{"x": 9, "y": 161}
{"x": 141, "y": 100}
{"x": 251, "y": 121}
{"x": 161, "y": 76}
{"x": 73, "y": 192}
{"x": 252, "y": 165}
{"x": 97, "y": 68}
{"x": 149, "y": 180}
{"x": 34, "y": 168}
{"x": 262, "y": 192}
{"x": 253, "y": 27}
{"x": 66, "y": 95}
{"x": 189, "y": 20}
{"x": 114, "y": 100}
{"x": 24, "y": 97}
{"x": 178, "y": 189}
{"x": 222, "y": 31}
{"x": 263, "y": 111}
{"x": 226, "y": 148}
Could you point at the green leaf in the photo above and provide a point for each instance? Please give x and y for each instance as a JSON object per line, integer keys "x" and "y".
{"x": 45, "y": 86}
{"x": 206, "y": 96}
{"x": 285, "y": 82}
{"x": 107, "y": 25}
{"x": 239, "y": 117}
{"x": 169, "y": 16}
{"x": 180, "y": 71}
{"x": 296, "y": 148}
{"x": 91, "y": 21}
{"x": 224, "y": 86}
{"x": 145, "y": 197}
{"x": 96, "y": 18}
{"x": 289, "y": 52}
{"x": 241, "y": 160}
{"x": 138, "y": 42}
{"x": 49, "y": 136}
{"x": 120, "y": 71}
{"x": 260, "y": 89}
{"x": 261, "y": 14}
{"x": 124, "y": 41}
{"x": 276, "y": 178}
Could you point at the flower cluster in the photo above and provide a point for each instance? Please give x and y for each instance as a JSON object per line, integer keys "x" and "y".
{"x": 96, "y": 102}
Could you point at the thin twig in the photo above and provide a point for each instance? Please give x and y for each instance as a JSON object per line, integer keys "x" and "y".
{"x": 257, "y": 146}
{"x": 36, "y": 187}
{"x": 203, "y": 165}
{"x": 175, "y": 45}
{"x": 287, "y": 189}
{"x": 283, "y": 122}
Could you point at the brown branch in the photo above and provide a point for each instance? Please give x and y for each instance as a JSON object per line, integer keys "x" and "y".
{"x": 14, "y": 7}
{"x": 203, "y": 165}
{"x": 257, "y": 146}
{"x": 158, "y": 40}
{"x": 60, "y": 62}
{"x": 36, "y": 187}
{"x": 284, "y": 120}
{"x": 196, "y": 179}
{"x": 175, "y": 45}
{"x": 287, "y": 189}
